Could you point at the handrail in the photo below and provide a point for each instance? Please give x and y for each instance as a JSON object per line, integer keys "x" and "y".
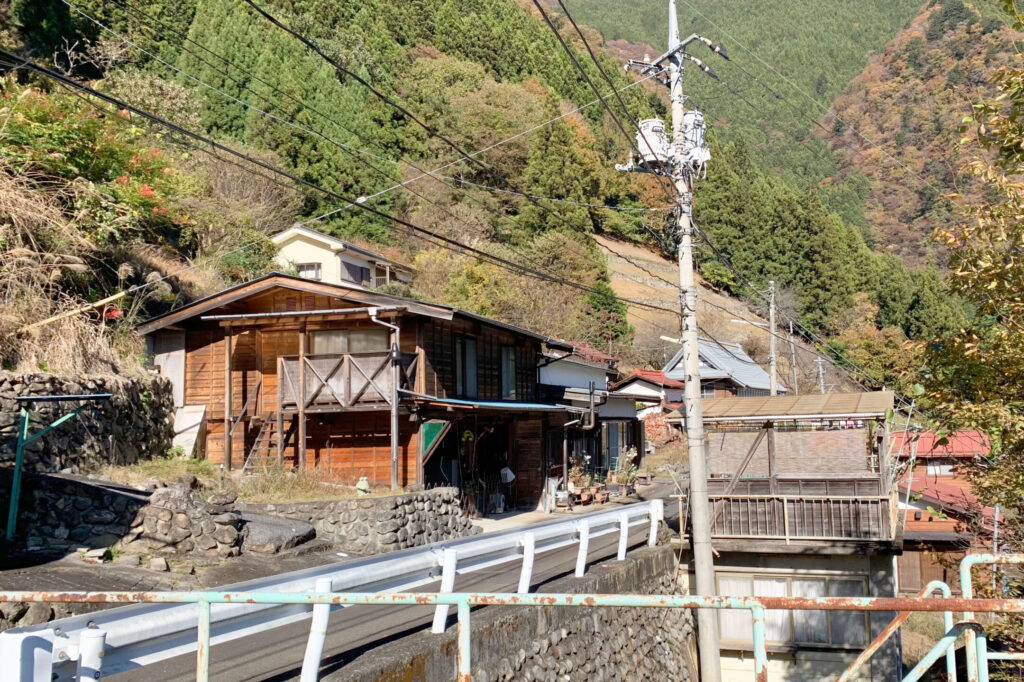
{"x": 148, "y": 633}
{"x": 245, "y": 406}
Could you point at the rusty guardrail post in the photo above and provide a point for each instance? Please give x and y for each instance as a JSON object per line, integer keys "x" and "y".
{"x": 890, "y": 629}
{"x": 465, "y": 641}
{"x": 967, "y": 592}
{"x": 757, "y": 617}
{"x": 976, "y": 674}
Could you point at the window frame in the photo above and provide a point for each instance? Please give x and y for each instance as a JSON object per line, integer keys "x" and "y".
{"x": 467, "y": 360}
{"x": 744, "y": 641}
{"x": 509, "y": 383}
{"x": 319, "y": 271}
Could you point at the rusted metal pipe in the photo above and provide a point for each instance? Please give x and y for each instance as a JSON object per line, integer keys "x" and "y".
{"x": 890, "y": 629}
{"x": 978, "y": 673}
{"x": 465, "y": 668}
{"x": 967, "y": 592}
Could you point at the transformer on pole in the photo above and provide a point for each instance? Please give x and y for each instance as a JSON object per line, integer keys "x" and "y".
{"x": 683, "y": 159}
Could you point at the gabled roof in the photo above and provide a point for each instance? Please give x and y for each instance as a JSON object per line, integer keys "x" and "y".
{"x": 872, "y": 405}
{"x": 348, "y": 292}
{"x": 336, "y": 244}
{"x": 723, "y": 360}
{"x": 651, "y": 376}
{"x": 583, "y": 353}
{"x": 959, "y": 445}
{"x": 951, "y": 494}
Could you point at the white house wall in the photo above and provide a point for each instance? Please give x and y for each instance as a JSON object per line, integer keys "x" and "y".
{"x": 617, "y": 408}
{"x": 573, "y": 375}
{"x": 304, "y": 249}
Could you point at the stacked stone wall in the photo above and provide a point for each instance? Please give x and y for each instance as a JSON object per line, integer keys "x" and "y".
{"x": 136, "y": 423}
{"x": 372, "y": 525}
{"x": 175, "y": 522}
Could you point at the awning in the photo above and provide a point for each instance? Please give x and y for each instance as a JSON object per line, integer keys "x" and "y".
{"x": 501, "y": 405}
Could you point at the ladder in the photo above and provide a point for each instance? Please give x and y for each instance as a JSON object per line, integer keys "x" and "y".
{"x": 262, "y": 446}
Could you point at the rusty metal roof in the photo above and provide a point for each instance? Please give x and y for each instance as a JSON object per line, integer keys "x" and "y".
{"x": 829, "y": 406}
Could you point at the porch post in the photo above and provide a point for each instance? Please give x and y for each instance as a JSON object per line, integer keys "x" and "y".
{"x": 395, "y": 368}
{"x": 227, "y": 397}
{"x": 280, "y": 412}
{"x": 772, "y": 471}
{"x": 300, "y": 442}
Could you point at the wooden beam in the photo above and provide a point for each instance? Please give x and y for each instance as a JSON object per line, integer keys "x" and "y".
{"x": 227, "y": 398}
{"x": 300, "y": 443}
{"x": 773, "y": 484}
{"x": 280, "y": 412}
{"x": 739, "y": 472}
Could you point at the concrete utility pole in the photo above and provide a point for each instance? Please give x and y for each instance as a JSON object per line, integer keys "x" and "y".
{"x": 792, "y": 359}
{"x": 773, "y": 361}
{"x": 684, "y": 159}
{"x": 821, "y": 376}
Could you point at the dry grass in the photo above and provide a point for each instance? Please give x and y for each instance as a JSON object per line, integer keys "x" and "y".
{"x": 919, "y": 634}
{"x": 276, "y": 484}
{"x": 167, "y": 470}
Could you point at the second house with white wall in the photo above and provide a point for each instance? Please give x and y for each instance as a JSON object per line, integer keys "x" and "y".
{"x": 324, "y": 258}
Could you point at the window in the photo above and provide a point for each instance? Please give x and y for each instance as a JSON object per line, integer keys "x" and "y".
{"x": 940, "y": 467}
{"x": 707, "y": 390}
{"x": 508, "y": 372}
{"x": 347, "y": 341}
{"x": 310, "y": 271}
{"x": 465, "y": 367}
{"x": 353, "y": 272}
{"x": 836, "y": 628}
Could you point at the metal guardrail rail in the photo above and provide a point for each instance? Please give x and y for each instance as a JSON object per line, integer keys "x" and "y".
{"x": 165, "y": 626}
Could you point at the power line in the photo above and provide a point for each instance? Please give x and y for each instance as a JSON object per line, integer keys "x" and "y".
{"x": 418, "y": 230}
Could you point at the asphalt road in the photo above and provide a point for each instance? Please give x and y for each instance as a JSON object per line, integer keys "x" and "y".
{"x": 277, "y": 654}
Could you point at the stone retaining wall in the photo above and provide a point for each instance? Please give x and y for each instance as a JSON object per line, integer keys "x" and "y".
{"x": 557, "y": 643}
{"x": 373, "y": 525}
{"x": 136, "y": 423}
{"x": 175, "y": 522}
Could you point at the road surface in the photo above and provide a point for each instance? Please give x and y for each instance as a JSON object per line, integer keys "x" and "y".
{"x": 277, "y": 654}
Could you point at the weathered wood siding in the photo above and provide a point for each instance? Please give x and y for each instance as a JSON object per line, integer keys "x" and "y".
{"x": 438, "y": 338}
{"x": 528, "y": 456}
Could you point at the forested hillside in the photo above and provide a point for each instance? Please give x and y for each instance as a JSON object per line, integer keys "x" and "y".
{"x": 810, "y": 51}
{"x": 899, "y": 121}
{"x": 450, "y": 75}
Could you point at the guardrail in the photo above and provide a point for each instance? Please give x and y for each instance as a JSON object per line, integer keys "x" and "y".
{"x": 92, "y": 660}
{"x": 165, "y": 626}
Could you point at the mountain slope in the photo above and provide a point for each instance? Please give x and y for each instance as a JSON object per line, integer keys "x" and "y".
{"x": 817, "y": 47}
{"x": 909, "y": 103}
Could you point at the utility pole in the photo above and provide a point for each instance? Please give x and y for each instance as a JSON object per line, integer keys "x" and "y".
{"x": 683, "y": 160}
{"x": 773, "y": 361}
{"x": 792, "y": 359}
{"x": 821, "y": 376}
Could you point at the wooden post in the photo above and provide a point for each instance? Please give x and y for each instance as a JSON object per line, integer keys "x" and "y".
{"x": 300, "y": 442}
{"x": 773, "y": 473}
{"x": 227, "y": 397}
{"x": 280, "y": 412}
{"x": 395, "y": 369}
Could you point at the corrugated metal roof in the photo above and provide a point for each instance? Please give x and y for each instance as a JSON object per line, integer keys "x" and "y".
{"x": 723, "y": 360}
{"x": 961, "y": 445}
{"x": 864, "y": 405}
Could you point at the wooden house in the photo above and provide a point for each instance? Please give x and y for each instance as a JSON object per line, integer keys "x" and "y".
{"x": 358, "y": 383}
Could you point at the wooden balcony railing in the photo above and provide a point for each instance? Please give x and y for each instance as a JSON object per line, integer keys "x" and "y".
{"x": 803, "y": 508}
{"x": 342, "y": 381}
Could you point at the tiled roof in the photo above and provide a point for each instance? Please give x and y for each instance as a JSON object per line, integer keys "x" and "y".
{"x": 961, "y": 445}
{"x": 952, "y": 493}
{"x": 654, "y": 376}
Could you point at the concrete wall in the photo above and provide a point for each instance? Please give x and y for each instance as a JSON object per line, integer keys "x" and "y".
{"x": 372, "y": 525}
{"x": 136, "y": 423}
{"x": 796, "y": 452}
{"x": 552, "y": 643}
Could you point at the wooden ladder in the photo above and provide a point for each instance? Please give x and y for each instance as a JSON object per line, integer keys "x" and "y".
{"x": 263, "y": 444}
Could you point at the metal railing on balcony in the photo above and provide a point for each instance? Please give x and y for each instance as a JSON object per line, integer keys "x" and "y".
{"x": 340, "y": 381}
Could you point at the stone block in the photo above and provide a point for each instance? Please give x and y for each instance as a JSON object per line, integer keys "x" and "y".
{"x": 159, "y": 564}
{"x": 226, "y": 535}
{"x": 181, "y": 520}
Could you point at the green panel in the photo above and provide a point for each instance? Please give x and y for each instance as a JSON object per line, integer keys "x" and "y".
{"x": 430, "y": 432}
